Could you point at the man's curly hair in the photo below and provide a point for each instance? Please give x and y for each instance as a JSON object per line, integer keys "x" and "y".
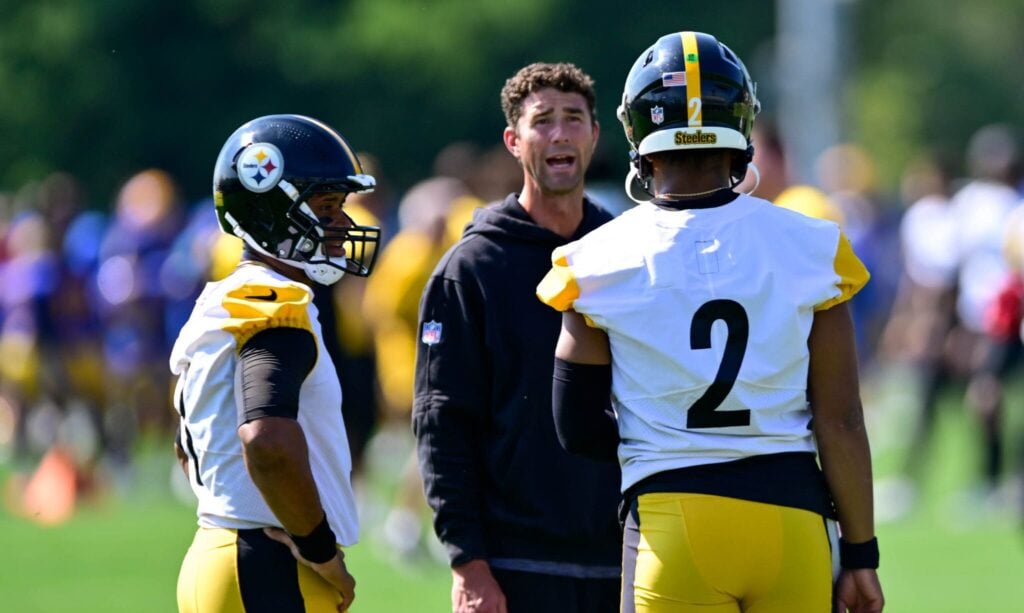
{"x": 563, "y": 76}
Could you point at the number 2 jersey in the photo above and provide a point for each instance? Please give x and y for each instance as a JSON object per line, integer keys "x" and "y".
{"x": 254, "y": 298}
{"x": 708, "y": 313}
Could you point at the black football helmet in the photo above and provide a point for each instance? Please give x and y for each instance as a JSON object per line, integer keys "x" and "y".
{"x": 687, "y": 91}
{"x": 265, "y": 173}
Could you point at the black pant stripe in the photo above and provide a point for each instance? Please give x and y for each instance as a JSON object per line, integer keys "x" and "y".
{"x": 268, "y": 575}
{"x": 630, "y": 544}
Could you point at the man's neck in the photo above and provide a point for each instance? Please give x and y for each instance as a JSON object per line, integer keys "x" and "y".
{"x": 295, "y": 274}
{"x": 695, "y": 187}
{"x": 678, "y": 182}
{"x": 560, "y": 213}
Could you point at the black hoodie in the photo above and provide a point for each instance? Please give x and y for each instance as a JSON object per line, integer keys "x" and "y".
{"x": 500, "y": 484}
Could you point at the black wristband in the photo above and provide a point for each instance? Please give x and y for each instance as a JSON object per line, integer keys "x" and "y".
{"x": 858, "y": 555}
{"x": 318, "y": 546}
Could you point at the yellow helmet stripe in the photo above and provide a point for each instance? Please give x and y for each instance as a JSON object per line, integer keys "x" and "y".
{"x": 691, "y": 59}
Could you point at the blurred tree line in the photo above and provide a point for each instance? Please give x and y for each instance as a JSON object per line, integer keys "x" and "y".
{"x": 102, "y": 88}
{"x": 931, "y": 72}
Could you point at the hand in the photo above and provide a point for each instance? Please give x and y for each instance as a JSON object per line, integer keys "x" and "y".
{"x": 333, "y": 571}
{"x": 859, "y": 591}
{"x": 474, "y": 589}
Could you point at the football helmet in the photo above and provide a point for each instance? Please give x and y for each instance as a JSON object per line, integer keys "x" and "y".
{"x": 686, "y": 91}
{"x": 265, "y": 173}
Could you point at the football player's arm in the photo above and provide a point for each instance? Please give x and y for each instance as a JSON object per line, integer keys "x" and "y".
{"x": 273, "y": 365}
{"x": 581, "y": 391}
{"x": 834, "y": 394}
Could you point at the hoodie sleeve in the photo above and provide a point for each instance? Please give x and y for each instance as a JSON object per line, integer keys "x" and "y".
{"x": 451, "y": 394}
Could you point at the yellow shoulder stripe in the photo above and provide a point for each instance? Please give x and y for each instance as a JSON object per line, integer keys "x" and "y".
{"x": 853, "y": 275}
{"x": 255, "y": 307}
{"x": 558, "y": 288}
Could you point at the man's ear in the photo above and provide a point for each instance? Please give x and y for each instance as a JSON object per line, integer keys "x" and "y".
{"x": 511, "y": 141}
{"x": 597, "y": 134}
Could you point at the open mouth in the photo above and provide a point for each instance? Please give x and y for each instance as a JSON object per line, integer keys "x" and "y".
{"x": 334, "y": 240}
{"x": 335, "y": 247}
{"x": 561, "y": 161}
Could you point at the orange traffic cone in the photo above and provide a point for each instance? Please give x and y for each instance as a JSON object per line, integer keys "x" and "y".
{"x": 49, "y": 497}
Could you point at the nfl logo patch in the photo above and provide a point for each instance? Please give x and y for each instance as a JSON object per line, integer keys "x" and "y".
{"x": 431, "y": 333}
{"x": 657, "y": 115}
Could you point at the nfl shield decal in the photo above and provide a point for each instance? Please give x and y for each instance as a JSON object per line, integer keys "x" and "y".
{"x": 657, "y": 115}
{"x": 431, "y": 333}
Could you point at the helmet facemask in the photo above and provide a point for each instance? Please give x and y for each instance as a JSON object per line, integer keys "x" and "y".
{"x": 307, "y": 247}
{"x": 304, "y": 241}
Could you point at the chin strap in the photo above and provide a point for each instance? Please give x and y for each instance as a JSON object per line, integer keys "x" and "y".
{"x": 636, "y": 188}
{"x": 326, "y": 271}
{"x": 757, "y": 178}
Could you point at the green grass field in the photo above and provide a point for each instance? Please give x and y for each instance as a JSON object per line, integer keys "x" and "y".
{"x": 123, "y": 554}
{"x": 948, "y": 555}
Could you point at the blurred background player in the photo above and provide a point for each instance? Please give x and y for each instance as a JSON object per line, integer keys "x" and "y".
{"x": 261, "y": 437}
{"x": 50, "y": 381}
{"x": 847, "y": 174}
{"x": 132, "y": 303}
{"x": 428, "y": 216}
{"x": 988, "y": 305}
{"x": 921, "y": 326}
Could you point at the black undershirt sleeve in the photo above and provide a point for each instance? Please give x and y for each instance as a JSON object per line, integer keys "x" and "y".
{"x": 273, "y": 364}
{"x": 581, "y": 404}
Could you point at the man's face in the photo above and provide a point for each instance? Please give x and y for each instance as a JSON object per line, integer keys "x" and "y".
{"x": 327, "y": 208}
{"x": 554, "y": 139}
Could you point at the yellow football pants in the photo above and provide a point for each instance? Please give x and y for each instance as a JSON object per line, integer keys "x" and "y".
{"x": 695, "y": 552}
{"x": 244, "y": 571}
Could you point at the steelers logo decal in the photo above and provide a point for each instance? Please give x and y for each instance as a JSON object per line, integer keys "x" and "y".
{"x": 260, "y": 167}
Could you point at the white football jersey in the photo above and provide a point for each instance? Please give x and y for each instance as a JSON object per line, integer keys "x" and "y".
{"x": 208, "y": 393}
{"x": 708, "y": 312}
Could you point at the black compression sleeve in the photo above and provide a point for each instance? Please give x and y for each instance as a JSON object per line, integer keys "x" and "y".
{"x": 581, "y": 403}
{"x": 273, "y": 364}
